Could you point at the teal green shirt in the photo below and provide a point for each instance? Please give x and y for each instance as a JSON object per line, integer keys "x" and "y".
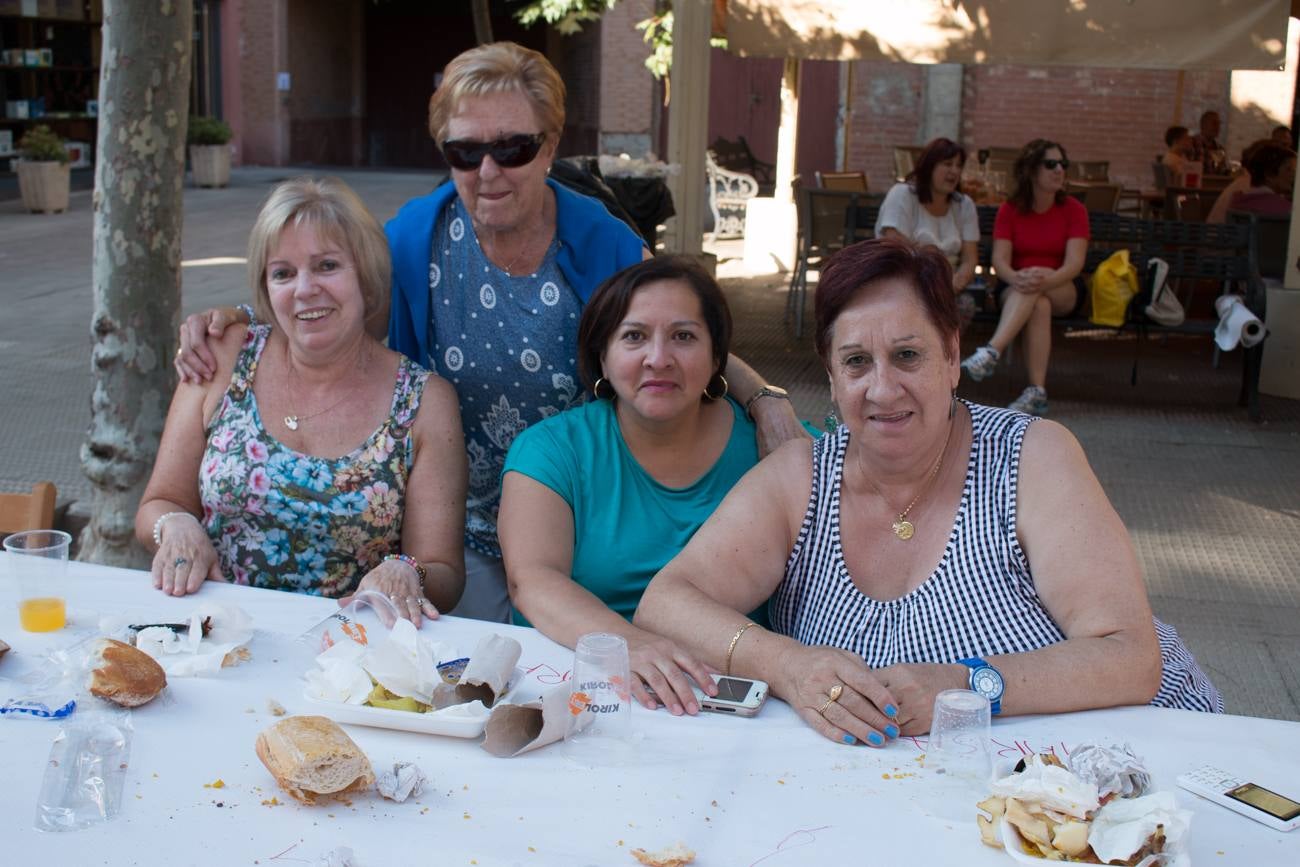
{"x": 627, "y": 526}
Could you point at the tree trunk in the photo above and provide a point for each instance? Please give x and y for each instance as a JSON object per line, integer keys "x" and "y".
{"x": 139, "y": 173}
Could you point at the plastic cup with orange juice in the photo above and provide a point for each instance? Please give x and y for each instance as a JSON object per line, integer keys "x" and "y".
{"x": 36, "y": 561}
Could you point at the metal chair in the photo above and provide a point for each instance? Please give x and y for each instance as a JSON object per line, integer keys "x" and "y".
{"x": 1096, "y": 197}
{"x": 1089, "y": 170}
{"x": 1269, "y": 236}
{"x": 728, "y": 192}
{"x": 849, "y": 182}
{"x": 30, "y": 511}
{"x": 821, "y": 233}
{"x": 905, "y": 160}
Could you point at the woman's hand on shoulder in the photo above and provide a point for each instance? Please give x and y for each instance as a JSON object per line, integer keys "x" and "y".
{"x": 185, "y": 559}
{"x": 663, "y": 665}
{"x": 195, "y": 362}
{"x": 861, "y": 713}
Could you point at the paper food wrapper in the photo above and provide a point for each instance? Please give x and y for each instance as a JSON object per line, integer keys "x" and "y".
{"x": 1051, "y": 787}
{"x": 403, "y": 781}
{"x": 404, "y": 663}
{"x": 1123, "y": 825}
{"x": 1113, "y": 770}
{"x": 192, "y": 653}
{"x": 490, "y": 666}
{"x": 514, "y": 729}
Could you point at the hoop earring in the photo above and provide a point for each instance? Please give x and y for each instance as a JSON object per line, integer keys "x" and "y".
{"x": 595, "y": 389}
{"x": 720, "y": 395}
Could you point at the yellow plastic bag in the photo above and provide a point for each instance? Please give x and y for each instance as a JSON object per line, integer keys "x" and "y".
{"x": 1112, "y": 287}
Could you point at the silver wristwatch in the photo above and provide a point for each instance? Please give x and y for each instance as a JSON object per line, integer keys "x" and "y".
{"x": 765, "y": 391}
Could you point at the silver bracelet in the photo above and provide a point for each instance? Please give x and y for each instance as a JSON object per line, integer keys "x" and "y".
{"x": 158, "y": 525}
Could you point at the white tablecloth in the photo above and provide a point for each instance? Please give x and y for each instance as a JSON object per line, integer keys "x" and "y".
{"x": 739, "y": 791}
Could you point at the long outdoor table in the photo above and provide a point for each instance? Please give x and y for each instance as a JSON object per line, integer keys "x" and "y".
{"x": 739, "y": 791}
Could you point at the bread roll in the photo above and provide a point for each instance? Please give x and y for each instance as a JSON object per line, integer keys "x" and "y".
{"x": 311, "y": 756}
{"x": 124, "y": 674}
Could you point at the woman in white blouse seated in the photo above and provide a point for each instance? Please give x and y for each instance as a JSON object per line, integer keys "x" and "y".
{"x": 929, "y": 209}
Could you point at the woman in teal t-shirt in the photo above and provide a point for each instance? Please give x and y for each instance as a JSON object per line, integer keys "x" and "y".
{"x": 597, "y": 499}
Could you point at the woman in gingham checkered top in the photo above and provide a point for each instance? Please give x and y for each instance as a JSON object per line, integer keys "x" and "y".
{"x": 924, "y": 540}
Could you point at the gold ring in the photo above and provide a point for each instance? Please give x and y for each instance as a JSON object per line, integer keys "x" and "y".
{"x": 822, "y": 710}
{"x": 836, "y": 691}
{"x": 178, "y": 352}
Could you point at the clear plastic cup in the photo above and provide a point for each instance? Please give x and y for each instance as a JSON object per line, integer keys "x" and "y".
{"x": 599, "y": 688}
{"x": 959, "y": 737}
{"x": 37, "y": 563}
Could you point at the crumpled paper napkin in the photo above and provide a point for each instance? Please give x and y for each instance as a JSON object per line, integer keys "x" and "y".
{"x": 191, "y": 654}
{"x": 1122, "y": 825}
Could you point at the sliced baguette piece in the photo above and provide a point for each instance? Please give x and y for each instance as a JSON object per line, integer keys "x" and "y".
{"x": 124, "y": 674}
{"x": 310, "y": 756}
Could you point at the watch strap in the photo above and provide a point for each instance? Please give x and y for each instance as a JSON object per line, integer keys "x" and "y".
{"x": 975, "y": 664}
{"x": 763, "y": 391}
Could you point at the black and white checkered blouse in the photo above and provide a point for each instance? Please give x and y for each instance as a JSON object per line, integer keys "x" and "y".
{"x": 980, "y": 601}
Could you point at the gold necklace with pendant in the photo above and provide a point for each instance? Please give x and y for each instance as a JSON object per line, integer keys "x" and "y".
{"x": 903, "y": 528}
{"x": 293, "y": 421}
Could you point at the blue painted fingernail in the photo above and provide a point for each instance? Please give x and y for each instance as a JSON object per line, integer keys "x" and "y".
{"x": 850, "y": 740}
{"x": 890, "y": 710}
{"x": 876, "y": 739}
{"x": 891, "y": 730}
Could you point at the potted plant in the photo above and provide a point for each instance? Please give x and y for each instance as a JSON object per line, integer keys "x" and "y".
{"x": 209, "y": 140}
{"x": 44, "y": 176}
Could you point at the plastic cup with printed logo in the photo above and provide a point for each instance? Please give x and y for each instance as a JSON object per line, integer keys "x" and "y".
{"x": 599, "y": 690}
{"x": 36, "y": 562}
{"x": 365, "y": 620}
{"x": 959, "y": 737}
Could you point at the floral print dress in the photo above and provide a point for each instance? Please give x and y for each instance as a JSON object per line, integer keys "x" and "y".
{"x": 284, "y": 520}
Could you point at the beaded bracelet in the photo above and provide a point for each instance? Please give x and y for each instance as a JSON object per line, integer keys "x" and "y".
{"x": 409, "y": 561}
{"x": 158, "y": 525}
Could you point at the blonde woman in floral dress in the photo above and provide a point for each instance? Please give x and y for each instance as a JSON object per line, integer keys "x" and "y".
{"x": 316, "y": 460}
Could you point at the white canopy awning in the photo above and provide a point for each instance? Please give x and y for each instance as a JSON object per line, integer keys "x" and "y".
{"x": 1162, "y": 34}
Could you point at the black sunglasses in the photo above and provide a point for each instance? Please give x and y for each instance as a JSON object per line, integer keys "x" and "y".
{"x": 510, "y": 152}
{"x": 1052, "y": 165}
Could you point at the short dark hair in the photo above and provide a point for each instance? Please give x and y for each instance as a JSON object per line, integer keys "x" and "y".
{"x": 860, "y": 265}
{"x": 923, "y": 172}
{"x": 1267, "y": 160}
{"x": 609, "y": 303}
{"x": 1174, "y": 133}
{"x": 1031, "y": 157}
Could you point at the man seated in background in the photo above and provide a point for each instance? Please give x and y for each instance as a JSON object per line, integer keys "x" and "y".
{"x": 1282, "y": 135}
{"x": 1206, "y": 147}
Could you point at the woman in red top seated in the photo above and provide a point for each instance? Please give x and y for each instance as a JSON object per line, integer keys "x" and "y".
{"x": 1040, "y": 242}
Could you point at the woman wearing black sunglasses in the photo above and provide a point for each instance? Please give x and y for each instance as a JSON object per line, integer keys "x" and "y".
{"x": 1040, "y": 242}
{"x": 491, "y": 272}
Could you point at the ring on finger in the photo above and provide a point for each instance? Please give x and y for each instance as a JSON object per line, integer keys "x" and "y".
{"x": 412, "y": 600}
{"x": 179, "y": 562}
{"x": 826, "y": 704}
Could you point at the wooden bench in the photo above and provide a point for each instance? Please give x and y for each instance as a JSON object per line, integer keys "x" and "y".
{"x": 1224, "y": 254}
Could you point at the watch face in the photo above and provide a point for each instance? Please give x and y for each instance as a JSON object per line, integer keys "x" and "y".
{"x": 987, "y": 682}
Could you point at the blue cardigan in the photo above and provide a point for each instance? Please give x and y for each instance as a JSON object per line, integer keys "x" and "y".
{"x": 593, "y": 245}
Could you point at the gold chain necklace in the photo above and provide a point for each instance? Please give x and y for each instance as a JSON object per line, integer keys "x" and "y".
{"x": 293, "y": 420}
{"x": 903, "y": 528}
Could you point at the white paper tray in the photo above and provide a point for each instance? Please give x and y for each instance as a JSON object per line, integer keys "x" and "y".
{"x": 433, "y": 723}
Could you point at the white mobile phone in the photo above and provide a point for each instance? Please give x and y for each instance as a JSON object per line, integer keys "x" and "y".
{"x": 1249, "y": 799}
{"x": 736, "y": 695}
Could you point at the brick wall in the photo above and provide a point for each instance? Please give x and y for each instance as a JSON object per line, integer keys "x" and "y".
{"x": 626, "y": 86}
{"x": 260, "y": 28}
{"x": 325, "y": 100}
{"x": 886, "y": 109}
{"x": 1118, "y": 115}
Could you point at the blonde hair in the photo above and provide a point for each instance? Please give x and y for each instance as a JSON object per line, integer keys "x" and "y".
{"x": 331, "y": 208}
{"x": 499, "y": 67}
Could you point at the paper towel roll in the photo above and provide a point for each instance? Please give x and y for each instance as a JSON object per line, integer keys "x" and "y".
{"x": 1236, "y": 324}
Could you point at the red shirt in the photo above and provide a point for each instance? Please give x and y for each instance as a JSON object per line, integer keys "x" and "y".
{"x": 1038, "y": 240}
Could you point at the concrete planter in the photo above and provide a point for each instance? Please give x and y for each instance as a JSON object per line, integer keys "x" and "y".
{"x": 210, "y": 165}
{"x": 44, "y": 186}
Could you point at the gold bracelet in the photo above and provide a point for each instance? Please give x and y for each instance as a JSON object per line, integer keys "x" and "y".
{"x": 731, "y": 648}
